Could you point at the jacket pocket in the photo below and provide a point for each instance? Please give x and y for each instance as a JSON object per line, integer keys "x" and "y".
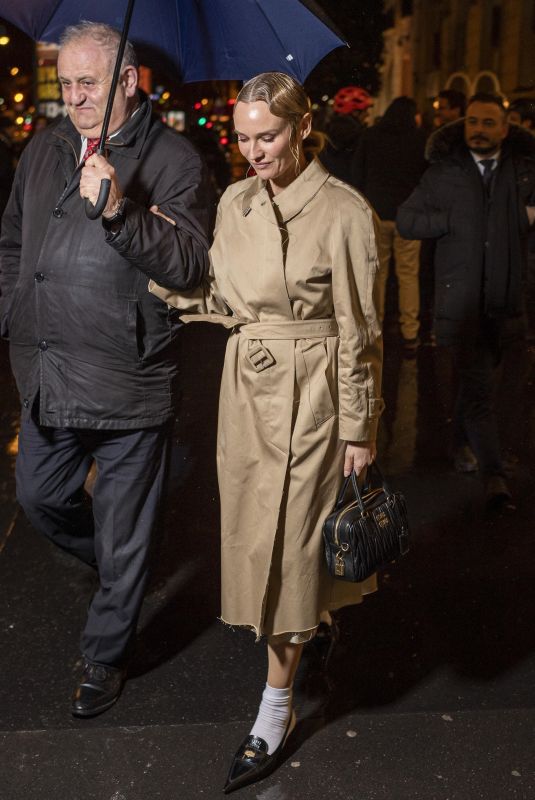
{"x": 316, "y": 365}
{"x": 14, "y": 319}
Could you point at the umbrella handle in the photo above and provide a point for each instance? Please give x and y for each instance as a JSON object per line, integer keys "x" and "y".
{"x": 94, "y": 211}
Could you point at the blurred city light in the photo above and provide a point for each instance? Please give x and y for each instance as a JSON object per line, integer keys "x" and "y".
{"x": 4, "y": 40}
{"x": 18, "y": 98}
{"x": 14, "y": 71}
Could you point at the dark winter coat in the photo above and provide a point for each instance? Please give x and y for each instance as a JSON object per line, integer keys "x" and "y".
{"x": 388, "y": 163}
{"x": 343, "y": 135}
{"x": 479, "y": 253}
{"x": 84, "y": 331}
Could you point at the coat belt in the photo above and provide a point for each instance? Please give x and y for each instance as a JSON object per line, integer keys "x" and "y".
{"x": 289, "y": 329}
{"x": 259, "y": 332}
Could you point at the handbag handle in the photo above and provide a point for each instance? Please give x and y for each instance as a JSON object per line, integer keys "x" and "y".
{"x": 373, "y": 467}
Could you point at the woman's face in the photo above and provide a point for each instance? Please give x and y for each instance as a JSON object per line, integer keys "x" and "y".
{"x": 264, "y": 140}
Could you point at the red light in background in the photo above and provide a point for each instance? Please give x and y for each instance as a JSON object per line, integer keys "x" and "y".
{"x": 231, "y": 101}
{"x": 223, "y": 140}
{"x": 209, "y": 124}
{"x": 197, "y": 106}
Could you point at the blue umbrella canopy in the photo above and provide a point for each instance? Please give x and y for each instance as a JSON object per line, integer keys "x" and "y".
{"x": 198, "y": 39}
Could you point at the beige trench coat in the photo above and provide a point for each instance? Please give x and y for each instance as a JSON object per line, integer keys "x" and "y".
{"x": 287, "y": 404}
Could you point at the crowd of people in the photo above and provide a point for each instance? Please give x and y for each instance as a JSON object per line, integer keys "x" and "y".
{"x": 295, "y": 265}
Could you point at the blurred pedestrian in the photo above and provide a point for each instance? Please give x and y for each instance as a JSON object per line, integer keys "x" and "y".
{"x": 94, "y": 355}
{"x": 293, "y": 264}
{"x": 387, "y": 166}
{"x": 522, "y": 112}
{"x": 451, "y": 105}
{"x": 215, "y": 158}
{"x": 477, "y": 200}
{"x": 350, "y": 108}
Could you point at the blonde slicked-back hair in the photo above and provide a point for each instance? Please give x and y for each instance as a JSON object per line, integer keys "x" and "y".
{"x": 287, "y": 99}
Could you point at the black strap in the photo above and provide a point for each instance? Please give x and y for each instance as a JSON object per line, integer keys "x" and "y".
{"x": 371, "y": 471}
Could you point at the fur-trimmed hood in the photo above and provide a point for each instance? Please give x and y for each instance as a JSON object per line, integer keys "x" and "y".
{"x": 449, "y": 140}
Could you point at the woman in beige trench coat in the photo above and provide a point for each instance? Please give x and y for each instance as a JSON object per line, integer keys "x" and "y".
{"x": 293, "y": 266}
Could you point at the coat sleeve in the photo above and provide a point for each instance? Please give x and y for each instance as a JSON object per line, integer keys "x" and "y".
{"x": 10, "y": 245}
{"x": 173, "y": 256}
{"x": 422, "y": 216}
{"x": 360, "y": 353}
{"x": 204, "y": 299}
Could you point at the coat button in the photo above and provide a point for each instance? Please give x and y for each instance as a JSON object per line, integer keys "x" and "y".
{"x": 58, "y": 213}
{"x": 43, "y": 345}
{"x": 26, "y": 403}
{"x": 39, "y": 277}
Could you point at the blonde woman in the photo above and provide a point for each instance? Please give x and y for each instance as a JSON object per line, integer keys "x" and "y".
{"x": 293, "y": 266}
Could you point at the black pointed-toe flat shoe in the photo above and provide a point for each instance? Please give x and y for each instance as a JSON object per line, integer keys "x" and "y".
{"x": 252, "y": 761}
{"x": 99, "y": 687}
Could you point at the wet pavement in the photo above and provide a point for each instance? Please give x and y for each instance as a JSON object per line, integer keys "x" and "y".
{"x": 430, "y": 694}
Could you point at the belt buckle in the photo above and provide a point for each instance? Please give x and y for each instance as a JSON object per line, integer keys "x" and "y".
{"x": 260, "y": 358}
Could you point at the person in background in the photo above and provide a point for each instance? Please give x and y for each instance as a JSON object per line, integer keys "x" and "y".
{"x": 94, "y": 355}
{"x": 521, "y": 111}
{"x": 478, "y": 200}
{"x": 387, "y": 165}
{"x": 344, "y": 129}
{"x": 293, "y": 273}
{"x": 451, "y": 107}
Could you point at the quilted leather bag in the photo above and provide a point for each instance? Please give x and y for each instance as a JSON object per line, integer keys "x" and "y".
{"x": 367, "y": 533}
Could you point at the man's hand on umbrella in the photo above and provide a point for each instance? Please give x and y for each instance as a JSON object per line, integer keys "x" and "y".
{"x": 95, "y": 169}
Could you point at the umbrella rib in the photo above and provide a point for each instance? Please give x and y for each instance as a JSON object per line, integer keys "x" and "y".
{"x": 283, "y": 44}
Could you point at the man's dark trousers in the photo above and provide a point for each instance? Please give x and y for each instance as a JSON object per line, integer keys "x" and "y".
{"x": 51, "y": 468}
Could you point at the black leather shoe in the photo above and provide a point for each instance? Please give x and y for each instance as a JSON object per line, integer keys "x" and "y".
{"x": 100, "y": 686}
{"x": 252, "y": 761}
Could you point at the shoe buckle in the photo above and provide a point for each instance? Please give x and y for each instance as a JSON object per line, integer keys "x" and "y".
{"x": 260, "y": 357}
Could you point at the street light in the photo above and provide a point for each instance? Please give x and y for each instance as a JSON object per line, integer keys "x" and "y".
{"x": 14, "y": 71}
{"x": 18, "y": 98}
{"x": 4, "y": 40}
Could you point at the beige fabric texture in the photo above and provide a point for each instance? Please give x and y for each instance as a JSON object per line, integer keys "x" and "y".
{"x": 309, "y": 255}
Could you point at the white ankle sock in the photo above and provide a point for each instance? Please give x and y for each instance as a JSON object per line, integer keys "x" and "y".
{"x": 273, "y": 716}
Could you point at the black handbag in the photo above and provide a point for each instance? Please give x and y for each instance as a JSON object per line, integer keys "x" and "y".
{"x": 369, "y": 532}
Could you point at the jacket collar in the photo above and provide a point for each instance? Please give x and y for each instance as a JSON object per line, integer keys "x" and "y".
{"x": 129, "y": 141}
{"x": 292, "y": 200}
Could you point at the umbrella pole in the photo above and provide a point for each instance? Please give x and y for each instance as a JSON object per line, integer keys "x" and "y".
{"x": 94, "y": 211}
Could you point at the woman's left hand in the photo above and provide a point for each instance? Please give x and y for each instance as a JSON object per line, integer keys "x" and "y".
{"x": 358, "y": 456}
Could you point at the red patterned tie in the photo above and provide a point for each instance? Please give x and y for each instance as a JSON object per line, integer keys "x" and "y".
{"x": 92, "y": 146}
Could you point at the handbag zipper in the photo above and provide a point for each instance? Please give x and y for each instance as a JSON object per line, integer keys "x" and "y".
{"x": 348, "y": 508}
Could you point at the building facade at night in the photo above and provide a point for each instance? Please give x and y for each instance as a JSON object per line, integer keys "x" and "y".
{"x": 469, "y": 45}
